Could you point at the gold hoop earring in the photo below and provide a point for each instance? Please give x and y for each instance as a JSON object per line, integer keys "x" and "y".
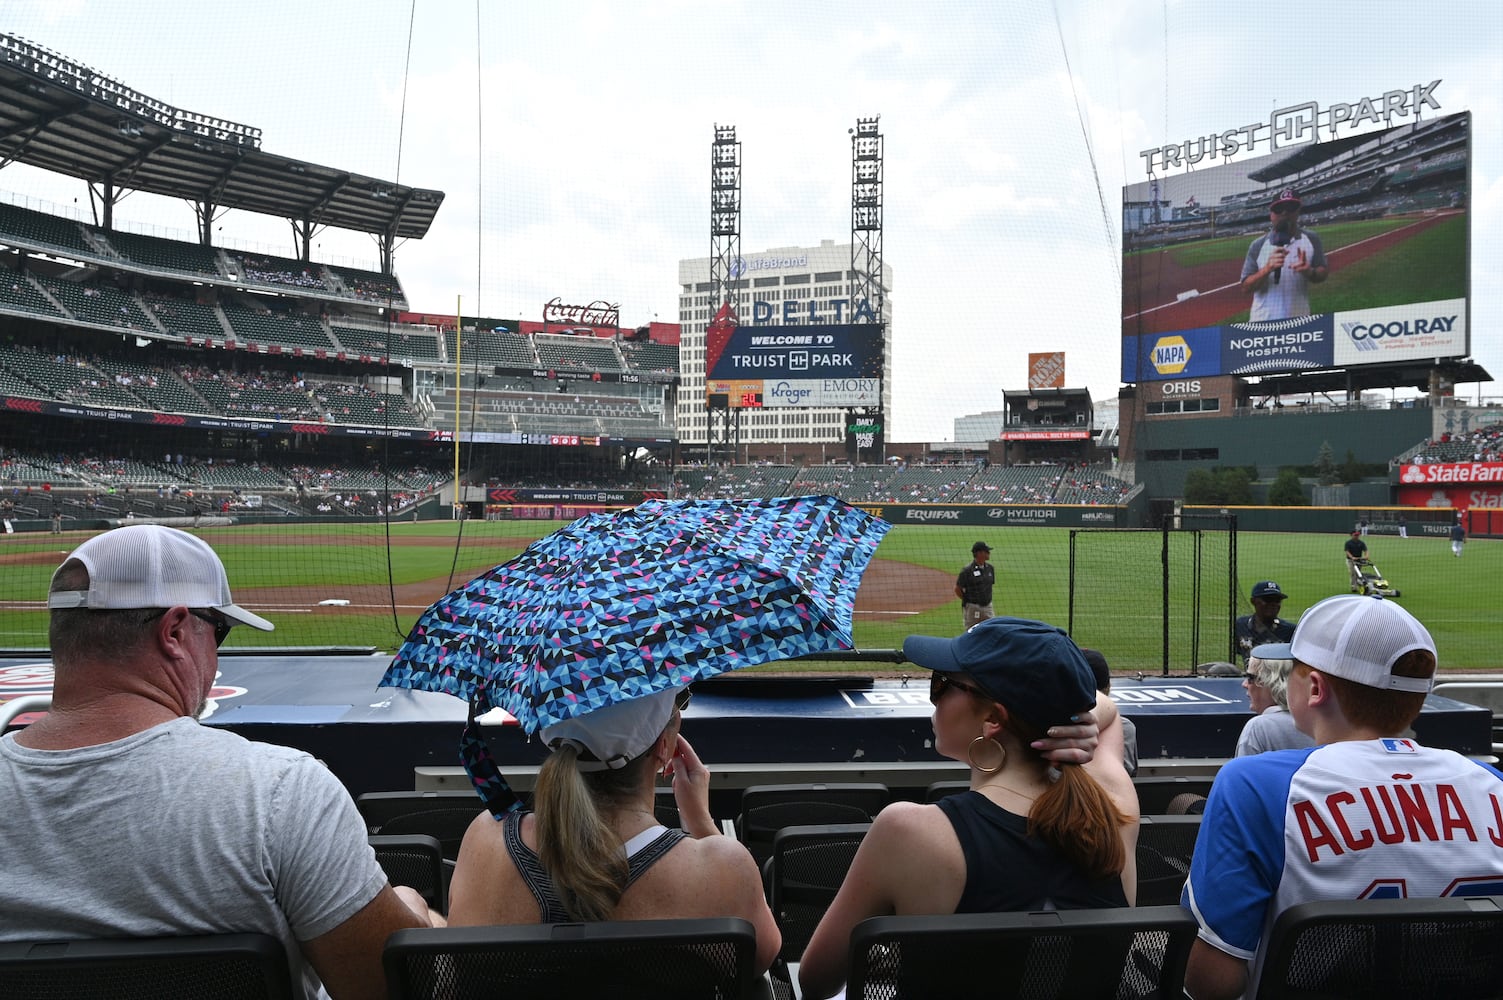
{"x": 970, "y": 755}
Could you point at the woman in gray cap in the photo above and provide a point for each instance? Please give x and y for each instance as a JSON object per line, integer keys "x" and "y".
{"x": 1025, "y": 836}
{"x": 594, "y": 850}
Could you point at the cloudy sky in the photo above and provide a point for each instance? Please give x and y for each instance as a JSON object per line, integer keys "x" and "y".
{"x": 572, "y": 140}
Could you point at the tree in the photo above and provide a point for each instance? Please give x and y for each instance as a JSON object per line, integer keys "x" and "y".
{"x": 1235, "y": 486}
{"x": 1325, "y": 465}
{"x": 1286, "y": 490}
{"x": 1200, "y": 487}
{"x": 1351, "y": 470}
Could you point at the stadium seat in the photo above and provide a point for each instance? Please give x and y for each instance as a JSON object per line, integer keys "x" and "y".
{"x": 1155, "y": 793}
{"x": 445, "y": 816}
{"x": 766, "y": 809}
{"x": 415, "y": 860}
{"x": 1068, "y": 954}
{"x": 940, "y": 789}
{"x": 626, "y": 959}
{"x": 206, "y": 967}
{"x": 1165, "y": 844}
{"x": 807, "y": 866}
{"x": 1372, "y": 948}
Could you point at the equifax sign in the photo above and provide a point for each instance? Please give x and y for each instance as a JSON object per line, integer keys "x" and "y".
{"x": 1453, "y": 472}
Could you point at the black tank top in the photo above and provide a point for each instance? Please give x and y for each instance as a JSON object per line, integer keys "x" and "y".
{"x": 1006, "y": 870}
{"x": 530, "y": 866}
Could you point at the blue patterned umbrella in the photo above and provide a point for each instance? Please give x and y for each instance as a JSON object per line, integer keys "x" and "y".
{"x": 619, "y": 606}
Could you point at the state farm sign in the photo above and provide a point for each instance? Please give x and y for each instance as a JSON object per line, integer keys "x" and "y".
{"x": 1452, "y": 472}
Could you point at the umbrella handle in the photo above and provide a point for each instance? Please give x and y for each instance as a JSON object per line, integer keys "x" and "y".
{"x": 490, "y": 784}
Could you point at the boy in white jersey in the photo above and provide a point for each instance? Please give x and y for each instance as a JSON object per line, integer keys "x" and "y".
{"x": 1366, "y": 814}
{"x": 1282, "y": 264}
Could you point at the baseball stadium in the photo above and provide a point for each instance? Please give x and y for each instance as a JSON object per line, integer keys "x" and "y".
{"x": 354, "y": 453}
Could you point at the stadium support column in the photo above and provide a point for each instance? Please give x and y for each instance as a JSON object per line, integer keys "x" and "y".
{"x": 865, "y": 275}
{"x": 723, "y": 421}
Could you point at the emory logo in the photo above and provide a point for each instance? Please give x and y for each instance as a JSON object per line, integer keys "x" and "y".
{"x": 1364, "y": 335}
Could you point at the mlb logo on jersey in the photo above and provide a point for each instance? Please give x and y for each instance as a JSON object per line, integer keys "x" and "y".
{"x": 1400, "y": 746}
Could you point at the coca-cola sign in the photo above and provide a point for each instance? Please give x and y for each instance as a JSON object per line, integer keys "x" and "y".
{"x": 597, "y": 313}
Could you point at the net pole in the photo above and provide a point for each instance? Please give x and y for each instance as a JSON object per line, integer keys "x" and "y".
{"x": 458, "y": 391}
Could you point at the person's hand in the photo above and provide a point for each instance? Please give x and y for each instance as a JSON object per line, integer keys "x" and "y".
{"x": 1076, "y": 743}
{"x": 1301, "y": 261}
{"x": 691, "y": 790}
{"x": 1276, "y": 258}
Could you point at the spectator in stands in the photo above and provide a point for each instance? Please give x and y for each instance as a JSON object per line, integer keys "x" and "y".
{"x": 1103, "y": 674}
{"x": 1025, "y": 836}
{"x": 1267, "y": 685}
{"x": 594, "y": 850}
{"x": 1264, "y": 624}
{"x": 1294, "y": 826}
{"x": 974, "y": 586}
{"x": 1282, "y": 264}
{"x": 125, "y": 817}
{"x": 1356, "y": 553}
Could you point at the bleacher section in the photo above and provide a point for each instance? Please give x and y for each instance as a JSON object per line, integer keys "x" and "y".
{"x": 353, "y": 404}
{"x": 493, "y": 347}
{"x": 99, "y": 303}
{"x": 1012, "y": 484}
{"x": 731, "y": 482}
{"x": 1090, "y": 486}
{"x": 161, "y": 389}
{"x": 262, "y": 269}
{"x": 587, "y": 354}
{"x": 650, "y": 357}
{"x": 45, "y": 376}
{"x": 408, "y": 343}
{"x": 41, "y": 229}
{"x": 165, "y": 255}
{"x": 186, "y": 318}
{"x": 852, "y": 483}
{"x": 372, "y": 286}
{"x": 18, "y": 292}
{"x": 927, "y": 483}
{"x": 267, "y": 395}
{"x": 264, "y": 328}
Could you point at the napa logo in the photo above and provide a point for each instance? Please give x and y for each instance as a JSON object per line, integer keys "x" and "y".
{"x": 1170, "y": 355}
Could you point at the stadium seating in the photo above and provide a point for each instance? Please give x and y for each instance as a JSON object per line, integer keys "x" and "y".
{"x": 160, "y": 388}
{"x": 1011, "y": 484}
{"x": 492, "y": 347}
{"x": 805, "y": 870}
{"x": 650, "y": 357}
{"x": 99, "y": 303}
{"x": 1165, "y": 845}
{"x": 370, "y": 285}
{"x": 209, "y": 967}
{"x": 1085, "y": 485}
{"x": 17, "y": 292}
{"x": 731, "y": 481}
{"x": 34, "y": 228}
{"x": 264, "y": 327}
{"x": 161, "y": 254}
{"x": 184, "y": 317}
{"x": 415, "y": 860}
{"x": 346, "y": 403}
{"x": 627, "y": 959}
{"x": 1418, "y": 949}
{"x": 408, "y": 343}
{"x": 766, "y": 809}
{"x": 576, "y": 353}
{"x": 927, "y": 483}
{"x": 1068, "y": 954}
{"x": 263, "y": 269}
{"x": 443, "y": 816}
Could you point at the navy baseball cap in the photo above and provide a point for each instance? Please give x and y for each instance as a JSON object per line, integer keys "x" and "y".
{"x": 981, "y": 547}
{"x": 1267, "y": 588}
{"x": 1031, "y": 667}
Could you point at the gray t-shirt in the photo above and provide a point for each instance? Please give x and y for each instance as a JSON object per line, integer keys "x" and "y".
{"x": 1272, "y": 729}
{"x": 180, "y": 829}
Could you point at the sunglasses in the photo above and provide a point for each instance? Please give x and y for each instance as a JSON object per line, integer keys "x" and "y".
{"x": 1250, "y": 677}
{"x": 222, "y": 625}
{"x": 681, "y": 700}
{"x": 940, "y": 683}
{"x": 1286, "y": 210}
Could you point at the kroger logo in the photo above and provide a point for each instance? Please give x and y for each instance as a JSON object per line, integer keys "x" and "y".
{"x": 783, "y": 390}
{"x": 1364, "y": 335}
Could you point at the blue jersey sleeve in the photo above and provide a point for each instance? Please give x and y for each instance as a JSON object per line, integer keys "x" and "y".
{"x": 1239, "y": 854}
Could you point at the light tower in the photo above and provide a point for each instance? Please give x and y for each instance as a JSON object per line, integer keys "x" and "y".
{"x": 865, "y": 275}
{"x": 722, "y": 420}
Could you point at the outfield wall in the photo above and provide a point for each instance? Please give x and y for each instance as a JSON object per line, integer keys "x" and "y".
{"x": 1429, "y": 522}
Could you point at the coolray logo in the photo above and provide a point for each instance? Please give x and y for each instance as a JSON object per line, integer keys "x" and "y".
{"x": 782, "y": 390}
{"x": 1364, "y": 335}
{"x": 932, "y": 515}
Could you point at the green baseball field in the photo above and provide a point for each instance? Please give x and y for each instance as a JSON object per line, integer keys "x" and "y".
{"x": 364, "y": 585}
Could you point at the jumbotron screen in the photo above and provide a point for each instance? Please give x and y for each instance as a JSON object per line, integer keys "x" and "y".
{"x": 813, "y": 365}
{"x": 1329, "y": 255}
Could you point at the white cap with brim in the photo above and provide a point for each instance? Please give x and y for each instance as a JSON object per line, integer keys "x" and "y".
{"x": 609, "y": 738}
{"x": 1360, "y": 638}
{"x": 152, "y": 566}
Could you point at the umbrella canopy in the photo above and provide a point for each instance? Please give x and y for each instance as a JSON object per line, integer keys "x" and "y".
{"x": 618, "y": 606}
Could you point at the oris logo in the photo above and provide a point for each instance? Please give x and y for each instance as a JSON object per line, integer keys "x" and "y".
{"x": 1191, "y": 388}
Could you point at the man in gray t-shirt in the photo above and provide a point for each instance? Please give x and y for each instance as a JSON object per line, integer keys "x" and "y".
{"x": 1282, "y": 264}
{"x": 126, "y": 818}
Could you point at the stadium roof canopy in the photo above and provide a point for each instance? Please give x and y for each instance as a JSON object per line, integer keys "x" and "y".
{"x": 1416, "y": 374}
{"x": 66, "y": 118}
{"x": 1306, "y": 157}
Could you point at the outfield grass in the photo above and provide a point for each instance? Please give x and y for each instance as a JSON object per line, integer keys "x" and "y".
{"x": 1118, "y": 592}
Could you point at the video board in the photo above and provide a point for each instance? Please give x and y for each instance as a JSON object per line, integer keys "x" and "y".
{"x": 1328, "y": 255}
{"x": 814, "y": 365}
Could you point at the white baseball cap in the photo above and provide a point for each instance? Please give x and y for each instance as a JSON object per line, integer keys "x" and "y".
{"x": 611, "y": 737}
{"x": 151, "y": 566}
{"x": 1360, "y": 638}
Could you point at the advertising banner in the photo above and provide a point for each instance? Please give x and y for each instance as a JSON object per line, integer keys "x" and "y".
{"x": 794, "y": 352}
{"x": 1411, "y": 332}
{"x": 822, "y": 392}
{"x": 1046, "y": 371}
{"x": 977, "y": 514}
